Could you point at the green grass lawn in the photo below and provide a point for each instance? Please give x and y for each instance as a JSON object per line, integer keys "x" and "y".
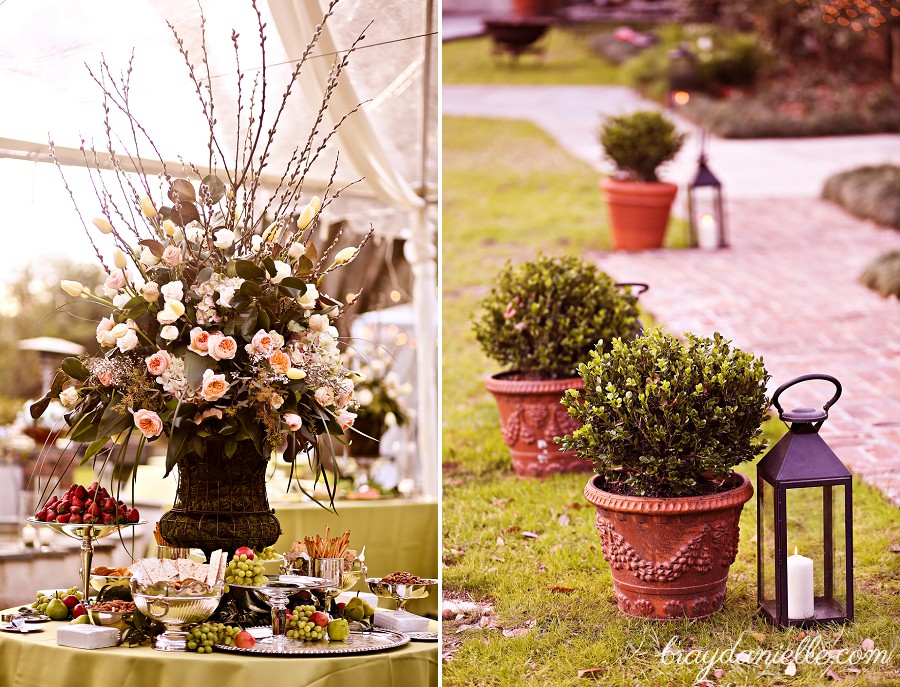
{"x": 509, "y": 193}
{"x": 567, "y": 61}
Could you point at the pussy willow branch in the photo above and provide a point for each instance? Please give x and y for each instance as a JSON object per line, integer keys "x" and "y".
{"x": 204, "y": 58}
{"x": 75, "y": 203}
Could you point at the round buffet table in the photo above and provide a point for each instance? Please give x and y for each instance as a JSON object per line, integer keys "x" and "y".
{"x": 35, "y": 660}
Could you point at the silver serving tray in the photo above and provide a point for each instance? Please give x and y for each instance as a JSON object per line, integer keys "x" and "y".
{"x": 423, "y": 636}
{"x": 356, "y": 643}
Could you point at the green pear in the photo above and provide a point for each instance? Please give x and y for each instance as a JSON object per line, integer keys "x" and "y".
{"x": 57, "y": 610}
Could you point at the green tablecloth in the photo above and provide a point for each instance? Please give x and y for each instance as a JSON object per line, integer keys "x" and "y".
{"x": 35, "y": 660}
{"x": 398, "y": 535}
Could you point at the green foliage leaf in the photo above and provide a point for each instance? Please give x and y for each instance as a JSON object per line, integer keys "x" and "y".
{"x": 114, "y": 421}
{"x": 194, "y": 367}
{"x": 638, "y": 143}
{"x": 251, "y": 427}
{"x": 75, "y": 369}
{"x": 155, "y": 247}
{"x": 39, "y": 407}
{"x": 178, "y": 439}
{"x": 216, "y": 187}
{"x": 247, "y": 269}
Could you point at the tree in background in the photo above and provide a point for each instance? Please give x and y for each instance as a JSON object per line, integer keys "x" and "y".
{"x": 34, "y": 305}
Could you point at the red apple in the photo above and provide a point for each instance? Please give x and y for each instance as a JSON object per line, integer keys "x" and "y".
{"x": 319, "y": 618}
{"x": 245, "y": 551}
{"x": 71, "y": 601}
{"x": 77, "y": 610}
{"x": 244, "y": 640}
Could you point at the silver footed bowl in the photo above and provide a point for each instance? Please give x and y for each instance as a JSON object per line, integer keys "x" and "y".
{"x": 257, "y": 599}
{"x": 401, "y": 593}
{"x": 176, "y": 608}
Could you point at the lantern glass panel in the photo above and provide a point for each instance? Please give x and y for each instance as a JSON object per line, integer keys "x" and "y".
{"x": 815, "y": 529}
{"x": 705, "y": 201}
{"x": 767, "y": 545}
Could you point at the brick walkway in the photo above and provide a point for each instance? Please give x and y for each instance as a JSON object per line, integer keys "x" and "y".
{"x": 787, "y": 290}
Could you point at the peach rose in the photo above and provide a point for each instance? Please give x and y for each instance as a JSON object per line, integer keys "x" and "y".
{"x": 280, "y": 362}
{"x": 158, "y": 363}
{"x": 114, "y": 282}
{"x": 324, "y": 396}
{"x": 214, "y": 386}
{"x": 221, "y": 347}
{"x": 294, "y": 421}
{"x": 345, "y": 419}
{"x": 171, "y": 256}
{"x": 199, "y": 341}
{"x": 148, "y": 422}
{"x": 105, "y": 378}
{"x": 262, "y": 343}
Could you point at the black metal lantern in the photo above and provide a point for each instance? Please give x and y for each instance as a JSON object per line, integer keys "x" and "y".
{"x": 706, "y": 212}
{"x": 804, "y": 522}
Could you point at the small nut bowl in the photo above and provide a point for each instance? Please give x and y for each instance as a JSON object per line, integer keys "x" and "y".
{"x": 176, "y": 608}
{"x": 401, "y": 593}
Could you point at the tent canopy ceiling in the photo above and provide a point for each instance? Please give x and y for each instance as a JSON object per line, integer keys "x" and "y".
{"x": 50, "y": 92}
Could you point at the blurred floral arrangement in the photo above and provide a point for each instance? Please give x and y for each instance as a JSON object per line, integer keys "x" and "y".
{"x": 378, "y": 398}
{"x": 217, "y": 324}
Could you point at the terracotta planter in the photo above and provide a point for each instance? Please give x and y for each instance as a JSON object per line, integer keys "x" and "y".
{"x": 669, "y": 558}
{"x": 530, "y": 417}
{"x": 638, "y": 212}
{"x": 534, "y": 8}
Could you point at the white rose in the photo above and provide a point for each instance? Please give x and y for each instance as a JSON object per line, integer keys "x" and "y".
{"x": 147, "y": 258}
{"x": 128, "y": 341}
{"x": 173, "y": 291}
{"x": 170, "y": 313}
{"x": 365, "y": 397}
{"x": 169, "y": 332}
{"x": 224, "y": 238}
{"x": 120, "y": 330}
{"x": 121, "y": 300}
{"x": 194, "y": 232}
{"x": 308, "y": 300}
{"x": 324, "y": 396}
{"x": 318, "y": 323}
{"x": 150, "y": 291}
{"x": 69, "y": 397}
{"x": 296, "y": 250}
{"x": 282, "y": 270}
{"x": 226, "y": 293}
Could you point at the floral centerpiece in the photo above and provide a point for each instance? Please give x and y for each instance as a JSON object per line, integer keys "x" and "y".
{"x": 379, "y": 402}
{"x": 219, "y": 338}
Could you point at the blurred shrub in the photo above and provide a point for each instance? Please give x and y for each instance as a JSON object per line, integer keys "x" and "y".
{"x": 611, "y": 49}
{"x": 883, "y": 274}
{"x": 869, "y": 192}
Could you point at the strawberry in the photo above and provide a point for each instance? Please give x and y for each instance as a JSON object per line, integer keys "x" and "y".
{"x": 108, "y": 518}
{"x": 94, "y": 509}
{"x": 62, "y": 507}
{"x": 75, "y": 509}
{"x": 80, "y": 492}
{"x": 89, "y": 519}
{"x": 109, "y": 505}
{"x": 64, "y": 518}
{"x": 133, "y": 515}
{"x": 76, "y": 519}
{"x": 77, "y": 502}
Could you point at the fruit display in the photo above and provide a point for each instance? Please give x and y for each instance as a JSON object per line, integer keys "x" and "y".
{"x": 338, "y": 630}
{"x": 60, "y": 605}
{"x": 356, "y": 609}
{"x": 305, "y": 624}
{"x": 87, "y": 505}
{"x": 267, "y": 554}
{"x": 244, "y": 568}
{"x": 202, "y": 637}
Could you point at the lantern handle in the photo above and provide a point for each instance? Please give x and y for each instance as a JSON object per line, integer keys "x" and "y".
{"x": 641, "y": 287}
{"x": 806, "y": 378}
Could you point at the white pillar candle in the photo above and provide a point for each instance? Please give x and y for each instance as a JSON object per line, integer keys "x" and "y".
{"x": 29, "y": 535}
{"x": 800, "y": 601}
